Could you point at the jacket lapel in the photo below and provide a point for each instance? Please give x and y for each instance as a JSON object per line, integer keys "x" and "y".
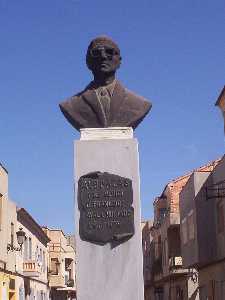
{"x": 91, "y": 98}
{"x": 116, "y": 101}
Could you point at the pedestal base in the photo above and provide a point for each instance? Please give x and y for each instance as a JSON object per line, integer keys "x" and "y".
{"x": 103, "y": 272}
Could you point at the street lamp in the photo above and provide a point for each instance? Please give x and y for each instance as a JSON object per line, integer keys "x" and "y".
{"x": 20, "y": 240}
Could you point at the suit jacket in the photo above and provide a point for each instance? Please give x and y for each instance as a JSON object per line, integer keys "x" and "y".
{"x": 126, "y": 109}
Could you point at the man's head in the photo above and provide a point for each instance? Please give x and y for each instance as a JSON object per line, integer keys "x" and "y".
{"x": 103, "y": 56}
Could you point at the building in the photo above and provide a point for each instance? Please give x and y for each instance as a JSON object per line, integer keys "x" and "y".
{"x": 31, "y": 262}
{"x": 171, "y": 279}
{"x": 202, "y": 209}
{"x": 8, "y": 221}
{"x": 147, "y": 247}
{"x": 61, "y": 265}
{"x": 23, "y": 251}
{"x": 221, "y": 104}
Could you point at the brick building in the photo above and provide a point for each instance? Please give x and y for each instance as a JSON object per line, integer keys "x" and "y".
{"x": 170, "y": 279}
{"x": 202, "y": 209}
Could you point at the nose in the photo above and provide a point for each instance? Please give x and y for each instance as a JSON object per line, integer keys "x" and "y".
{"x": 103, "y": 54}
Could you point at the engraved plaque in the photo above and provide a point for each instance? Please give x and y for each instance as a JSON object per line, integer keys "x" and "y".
{"x": 105, "y": 204}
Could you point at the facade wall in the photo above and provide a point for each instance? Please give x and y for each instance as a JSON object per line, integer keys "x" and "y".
{"x": 11, "y": 231}
{"x": 30, "y": 289}
{"x": 3, "y": 215}
{"x": 189, "y": 218}
{"x": 33, "y": 251}
{"x": 212, "y": 282}
{"x": 3, "y": 181}
{"x": 219, "y": 183}
{"x": 206, "y": 225}
{"x": 147, "y": 257}
{"x": 61, "y": 265}
{"x": 14, "y": 284}
{"x": 172, "y": 279}
{"x": 7, "y": 286}
{"x": 57, "y": 248}
{"x": 178, "y": 289}
{"x": 208, "y": 205}
{"x": 31, "y": 261}
{"x": 3, "y": 231}
{"x": 8, "y": 234}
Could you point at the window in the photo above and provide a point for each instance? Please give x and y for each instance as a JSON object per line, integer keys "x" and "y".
{"x": 25, "y": 251}
{"x": 54, "y": 266}
{"x": 37, "y": 254}
{"x": 191, "y": 228}
{"x": 179, "y": 293}
{"x": 40, "y": 257}
{"x": 30, "y": 248}
{"x": 42, "y": 296}
{"x": 21, "y": 293}
{"x": 44, "y": 265}
{"x": 220, "y": 216}
{"x": 12, "y": 284}
{"x": 184, "y": 230}
{"x": 162, "y": 213}
{"x": 12, "y": 234}
{"x": 66, "y": 277}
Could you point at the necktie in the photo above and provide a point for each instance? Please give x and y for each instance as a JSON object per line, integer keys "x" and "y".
{"x": 104, "y": 99}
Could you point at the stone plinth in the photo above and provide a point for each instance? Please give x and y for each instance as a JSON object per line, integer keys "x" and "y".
{"x": 109, "y": 272}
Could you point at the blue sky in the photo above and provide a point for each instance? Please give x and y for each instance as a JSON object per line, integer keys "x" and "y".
{"x": 173, "y": 54}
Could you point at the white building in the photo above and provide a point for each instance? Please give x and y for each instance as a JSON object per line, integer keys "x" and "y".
{"x": 23, "y": 267}
{"x": 31, "y": 263}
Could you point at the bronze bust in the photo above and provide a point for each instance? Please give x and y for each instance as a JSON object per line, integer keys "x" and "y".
{"x": 104, "y": 102}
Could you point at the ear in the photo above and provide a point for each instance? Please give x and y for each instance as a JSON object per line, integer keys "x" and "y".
{"x": 120, "y": 60}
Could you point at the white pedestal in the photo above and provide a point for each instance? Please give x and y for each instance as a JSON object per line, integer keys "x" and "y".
{"x": 105, "y": 273}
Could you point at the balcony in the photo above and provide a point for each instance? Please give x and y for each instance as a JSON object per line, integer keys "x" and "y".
{"x": 56, "y": 281}
{"x": 176, "y": 265}
{"x": 31, "y": 269}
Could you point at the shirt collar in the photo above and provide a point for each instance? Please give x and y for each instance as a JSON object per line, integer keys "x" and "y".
{"x": 110, "y": 87}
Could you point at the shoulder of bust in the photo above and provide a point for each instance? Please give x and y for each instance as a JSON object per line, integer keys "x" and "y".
{"x": 137, "y": 100}
{"x": 75, "y": 98}
{"x": 134, "y": 95}
{"x": 130, "y": 93}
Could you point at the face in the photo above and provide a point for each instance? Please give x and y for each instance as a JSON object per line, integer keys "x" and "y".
{"x": 104, "y": 59}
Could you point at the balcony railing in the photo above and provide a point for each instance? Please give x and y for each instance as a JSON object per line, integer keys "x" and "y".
{"x": 57, "y": 281}
{"x": 31, "y": 269}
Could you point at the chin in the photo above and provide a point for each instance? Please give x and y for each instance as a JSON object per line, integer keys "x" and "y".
{"x": 105, "y": 69}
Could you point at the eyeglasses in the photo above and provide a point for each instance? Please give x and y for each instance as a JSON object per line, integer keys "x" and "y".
{"x": 109, "y": 52}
